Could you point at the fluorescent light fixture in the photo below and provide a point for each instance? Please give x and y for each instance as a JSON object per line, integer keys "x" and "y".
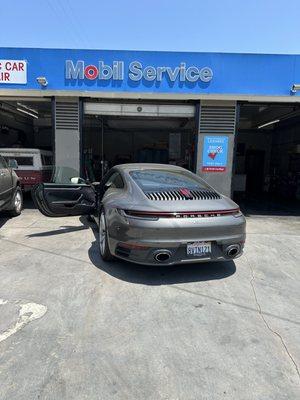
{"x": 295, "y": 88}
{"x": 28, "y": 108}
{"x": 268, "y": 123}
{"x": 27, "y": 112}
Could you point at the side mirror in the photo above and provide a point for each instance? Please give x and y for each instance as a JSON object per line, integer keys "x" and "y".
{"x": 12, "y": 163}
{"x": 76, "y": 180}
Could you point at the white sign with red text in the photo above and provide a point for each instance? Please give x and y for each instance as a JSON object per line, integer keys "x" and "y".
{"x": 13, "y": 71}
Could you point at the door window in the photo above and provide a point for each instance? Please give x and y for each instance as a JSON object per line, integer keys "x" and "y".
{"x": 24, "y": 160}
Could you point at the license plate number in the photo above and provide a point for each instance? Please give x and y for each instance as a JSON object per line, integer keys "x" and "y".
{"x": 198, "y": 248}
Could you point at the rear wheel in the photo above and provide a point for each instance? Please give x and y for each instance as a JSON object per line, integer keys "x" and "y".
{"x": 103, "y": 238}
{"x": 17, "y": 203}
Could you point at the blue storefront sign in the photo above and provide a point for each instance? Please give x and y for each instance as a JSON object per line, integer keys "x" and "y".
{"x": 215, "y": 152}
{"x": 148, "y": 72}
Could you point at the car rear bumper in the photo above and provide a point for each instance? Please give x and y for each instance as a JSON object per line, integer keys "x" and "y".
{"x": 140, "y": 241}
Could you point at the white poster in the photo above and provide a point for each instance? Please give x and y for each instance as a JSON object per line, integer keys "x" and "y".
{"x": 13, "y": 71}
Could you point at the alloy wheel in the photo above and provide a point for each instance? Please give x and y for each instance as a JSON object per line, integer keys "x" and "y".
{"x": 18, "y": 202}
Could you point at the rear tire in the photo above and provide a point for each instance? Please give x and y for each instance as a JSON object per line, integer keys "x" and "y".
{"x": 17, "y": 203}
{"x": 103, "y": 238}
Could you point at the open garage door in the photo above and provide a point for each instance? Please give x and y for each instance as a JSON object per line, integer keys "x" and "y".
{"x": 140, "y": 110}
{"x": 117, "y": 133}
{"x": 26, "y": 136}
{"x": 267, "y": 158}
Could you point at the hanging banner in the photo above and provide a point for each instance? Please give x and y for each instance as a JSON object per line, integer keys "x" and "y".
{"x": 214, "y": 157}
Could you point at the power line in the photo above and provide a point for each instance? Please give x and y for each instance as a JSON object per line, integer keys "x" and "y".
{"x": 78, "y": 22}
{"x": 72, "y": 23}
{"x": 58, "y": 15}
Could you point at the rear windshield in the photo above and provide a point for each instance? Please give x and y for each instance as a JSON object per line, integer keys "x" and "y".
{"x": 21, "y": 160}
{"x": 154, "y": 180}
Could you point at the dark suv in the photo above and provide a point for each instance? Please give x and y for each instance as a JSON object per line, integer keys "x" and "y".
{"x": 11, "y": 198}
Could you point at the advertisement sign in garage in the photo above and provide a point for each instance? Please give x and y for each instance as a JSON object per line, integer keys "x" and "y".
{"x": 215, "y": 149}
{"x": 13, "y": 71}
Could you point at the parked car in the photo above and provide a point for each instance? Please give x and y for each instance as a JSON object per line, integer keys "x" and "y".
{"x": 34, "y": 165}
{"x": 11, "y": 198}
{"x": 151, "y": 214}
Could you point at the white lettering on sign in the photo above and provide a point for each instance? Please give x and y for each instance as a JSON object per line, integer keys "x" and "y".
{"x": 13, "y": 71}
{"x": 136, "y": 72}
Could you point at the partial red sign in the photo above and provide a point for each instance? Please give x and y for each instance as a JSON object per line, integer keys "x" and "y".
{"x": 213, "y": 169}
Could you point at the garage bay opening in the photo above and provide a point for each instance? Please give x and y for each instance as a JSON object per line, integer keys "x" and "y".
{"x": 26, "y": 136}
{"x": 137, "y": 133}
{"x": 267, "y": 158}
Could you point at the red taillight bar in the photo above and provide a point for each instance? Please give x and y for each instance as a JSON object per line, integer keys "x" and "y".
{"x": 181, "y": 214}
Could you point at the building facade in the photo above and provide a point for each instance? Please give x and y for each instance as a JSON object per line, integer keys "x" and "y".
{"x": 220, "y": 115}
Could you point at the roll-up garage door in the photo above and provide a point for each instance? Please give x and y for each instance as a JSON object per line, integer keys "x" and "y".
{"x": 141, "y": 110}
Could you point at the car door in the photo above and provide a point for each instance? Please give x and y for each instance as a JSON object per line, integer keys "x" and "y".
{"x": 67, "y": 195}
{"x": 6, "y": 188}
{"x": 58, "y": 200}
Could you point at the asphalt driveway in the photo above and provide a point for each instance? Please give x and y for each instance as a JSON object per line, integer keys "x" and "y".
{"x": 73, "y": 327}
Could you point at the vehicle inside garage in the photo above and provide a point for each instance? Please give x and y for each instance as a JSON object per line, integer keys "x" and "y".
{"x": 115, "y": 139}
{"x": 267, "y": 156}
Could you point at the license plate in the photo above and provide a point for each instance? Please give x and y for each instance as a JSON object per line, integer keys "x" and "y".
{"x": 198, "y": 248}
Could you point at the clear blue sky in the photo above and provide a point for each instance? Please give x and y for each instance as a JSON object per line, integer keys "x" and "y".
{"x": 256, "y": 26}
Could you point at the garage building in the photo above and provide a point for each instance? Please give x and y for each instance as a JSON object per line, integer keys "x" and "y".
{"x": 234, "y": 119}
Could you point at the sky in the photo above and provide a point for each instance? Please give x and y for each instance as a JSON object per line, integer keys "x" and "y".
{"x": 240, "y": 26}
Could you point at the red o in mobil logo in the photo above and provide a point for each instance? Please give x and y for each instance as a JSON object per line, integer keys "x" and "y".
{"x": 91, "y": 72}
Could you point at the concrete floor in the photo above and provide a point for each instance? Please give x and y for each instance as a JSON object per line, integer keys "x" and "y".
{"x": 73, "y": 327}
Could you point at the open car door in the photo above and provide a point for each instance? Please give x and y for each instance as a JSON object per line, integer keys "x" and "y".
{"x": 59, "y": 200}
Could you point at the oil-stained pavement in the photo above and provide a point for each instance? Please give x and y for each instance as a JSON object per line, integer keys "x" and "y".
{"x": 73, "y": 327}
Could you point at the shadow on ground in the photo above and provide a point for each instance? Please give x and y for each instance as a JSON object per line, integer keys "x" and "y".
{"x": 63, "y": 229}
{"x": 4, "y": 219}
{"x": 158, "y": 274}
{"x": 28, "y": 204}
{"x": 269, "y": 206}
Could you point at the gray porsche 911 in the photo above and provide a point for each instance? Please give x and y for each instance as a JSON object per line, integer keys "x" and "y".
{"x": 151, "y": 214}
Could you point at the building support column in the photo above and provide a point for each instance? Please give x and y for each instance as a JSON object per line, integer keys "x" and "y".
{"x": 216, "y": 122}
{"x": 67, "y": 137}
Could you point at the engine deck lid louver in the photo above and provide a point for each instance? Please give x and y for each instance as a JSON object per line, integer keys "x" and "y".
{"x": 182, "y": 194}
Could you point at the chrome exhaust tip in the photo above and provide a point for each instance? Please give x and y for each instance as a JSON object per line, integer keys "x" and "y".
{"x": 162, "y": 256}
{"x": 233, "y": 250}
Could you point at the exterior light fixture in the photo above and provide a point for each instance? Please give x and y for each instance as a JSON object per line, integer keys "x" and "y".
{"x": 268, "y": 123}
{"x": 295, "y": 88}
{"x": 42, "y": 81}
